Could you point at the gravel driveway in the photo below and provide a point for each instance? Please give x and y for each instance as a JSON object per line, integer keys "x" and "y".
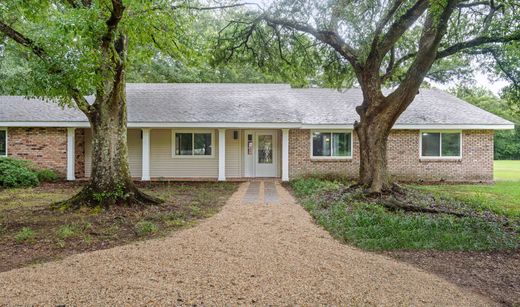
{"x": 250, "y": 253}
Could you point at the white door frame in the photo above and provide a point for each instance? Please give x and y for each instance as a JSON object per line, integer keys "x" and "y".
{"x": 251, "y": 160}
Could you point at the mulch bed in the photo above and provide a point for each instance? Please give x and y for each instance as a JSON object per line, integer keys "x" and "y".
{"x": 493, "y": 274}
{"x": 185, "y": 204}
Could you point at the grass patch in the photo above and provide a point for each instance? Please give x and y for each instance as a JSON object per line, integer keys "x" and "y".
{"x": 508, "y": 170}
{"x": 502, "y": 198}
{"x": 144, "y": 228}
{"x": 65, "y": 231}
{"x": 73, "y": 230}
{"x": 351, "y": 217}
{"x": 24, "y": 235}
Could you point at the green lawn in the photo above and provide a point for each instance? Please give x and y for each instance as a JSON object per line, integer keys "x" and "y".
{"x": 364, "y": 222}
{"x": 507, "y": 170}
{"x": 502, "y": 197}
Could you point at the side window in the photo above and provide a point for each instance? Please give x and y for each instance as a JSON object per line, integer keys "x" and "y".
{"x": 440, "y": 144}
{"x": 193, "y": 143}
{"x": 3, "y": 143}
{"x": 331, "y": 144}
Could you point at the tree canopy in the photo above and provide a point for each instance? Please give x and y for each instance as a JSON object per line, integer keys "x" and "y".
{"x": 377, "y": 44}
{"x": 507, "y": 143}
{"x": 53, "y": 46}
{"x": 345, "y": 32}
{"x": 75, "y": 48}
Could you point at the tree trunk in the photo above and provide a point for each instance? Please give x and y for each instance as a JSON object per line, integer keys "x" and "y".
{"x": 110, "y": 181}
{"x": 377, "y": 117}
{"x": 373, "y": 173}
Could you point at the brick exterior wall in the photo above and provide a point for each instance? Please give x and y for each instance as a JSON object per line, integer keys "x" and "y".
{"x": 300, "y": 162}
{"x": 403, "y": 158}
{"x": 47, "y": 147}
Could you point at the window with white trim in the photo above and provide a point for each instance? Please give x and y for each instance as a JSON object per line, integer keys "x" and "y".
{"x": 198, "y": 144}
{"x": 441, "y": 144}
{"x": 331, "y": 144}
{"x": 3, "y": 142}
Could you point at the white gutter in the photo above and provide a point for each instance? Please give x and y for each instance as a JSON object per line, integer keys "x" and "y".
{"x": 455, "y": 126}
{"x": 257, "y": 125}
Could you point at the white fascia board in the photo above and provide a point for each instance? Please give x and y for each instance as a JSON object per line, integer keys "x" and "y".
{"x": 152, "y": 125}
{"x": 328, "y": 126}
{"x": 214, "y": 125}
{"x": 46, "y": 124}
{"x": 256, "y": 125}
{"x": 453, "y": 127}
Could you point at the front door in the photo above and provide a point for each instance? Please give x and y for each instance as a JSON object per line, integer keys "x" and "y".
{"x": 261, "y": 153}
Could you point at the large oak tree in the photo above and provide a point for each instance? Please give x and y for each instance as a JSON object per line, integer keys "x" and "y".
{"x": 76, "y": 48}
{"x": 379, "y": 44}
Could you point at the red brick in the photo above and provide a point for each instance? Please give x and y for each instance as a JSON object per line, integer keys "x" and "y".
{"x": 404, "y": 163}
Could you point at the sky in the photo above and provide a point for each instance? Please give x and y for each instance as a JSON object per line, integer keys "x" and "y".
{"x": 481, "y": 80}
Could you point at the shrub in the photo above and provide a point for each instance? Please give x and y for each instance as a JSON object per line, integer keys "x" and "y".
{"x": 47, "y": 175}
{"x": 25, "y": 234}
{"x": 16, "y": 173}
{"x": 143, "y": 228}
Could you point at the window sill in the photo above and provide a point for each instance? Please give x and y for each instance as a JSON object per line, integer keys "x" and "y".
{"x": 440, "y": 159}
{"x": 316, "y": 159}
{"x": 192, "y": 157}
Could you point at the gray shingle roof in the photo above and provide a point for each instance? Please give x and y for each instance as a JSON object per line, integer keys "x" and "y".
{"x": 252, "y": 103}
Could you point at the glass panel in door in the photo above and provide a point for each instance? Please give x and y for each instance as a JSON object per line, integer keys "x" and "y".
{"x": 265, "y": 149}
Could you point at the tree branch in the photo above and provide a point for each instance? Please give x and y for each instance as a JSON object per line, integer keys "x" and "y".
{"x": 115, "y": 16}
{"x": 472, "y": 4}
{"x": 81, "y": 102}
{"x": 216, "y": 7}
{"x": 459, "y": 47}
{"x": 434, "y": 29}
{"x": 478, "y": 41}
{"x": 401, "y": 25}
{"x": 18, "y": 37}
{"x": 328, "y": 37}
{"x": 384, "y": 21}
{"x": 501, "y": 65}
{"x": 196, "y": 8}
{"x": 22, "y": 40}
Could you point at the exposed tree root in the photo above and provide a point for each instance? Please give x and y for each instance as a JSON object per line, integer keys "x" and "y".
{"x": 395, "y": 205}
{"x": 394, "y": 199}
{"x": 130, "y": 196}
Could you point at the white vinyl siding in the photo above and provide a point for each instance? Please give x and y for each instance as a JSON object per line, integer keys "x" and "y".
{"x": 164, "y": 164}
{"x": 233, "y": 154}
{"x": 134, "y": 152}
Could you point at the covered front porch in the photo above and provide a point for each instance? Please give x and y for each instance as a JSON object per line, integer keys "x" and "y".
{"x": 157, "y": 153}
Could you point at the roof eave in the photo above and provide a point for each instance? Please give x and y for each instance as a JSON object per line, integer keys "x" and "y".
{"x": 85, "y": 124}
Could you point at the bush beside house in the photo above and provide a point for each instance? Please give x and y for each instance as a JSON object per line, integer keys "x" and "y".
{"x": 21, "y": 173}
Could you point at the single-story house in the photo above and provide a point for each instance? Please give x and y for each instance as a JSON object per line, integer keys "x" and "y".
{"x": 226, "y": 131}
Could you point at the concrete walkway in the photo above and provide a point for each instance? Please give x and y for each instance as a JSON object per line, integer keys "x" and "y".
{"x": 262, "y": 248}
{"x": 264, "y": 192}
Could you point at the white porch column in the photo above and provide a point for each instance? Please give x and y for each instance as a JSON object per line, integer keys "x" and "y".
{"x": 71, "y": 156}
{"x": 145, "y": 176}
{"x": 221, "y": 154}
{"x": 285, "y": 154}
